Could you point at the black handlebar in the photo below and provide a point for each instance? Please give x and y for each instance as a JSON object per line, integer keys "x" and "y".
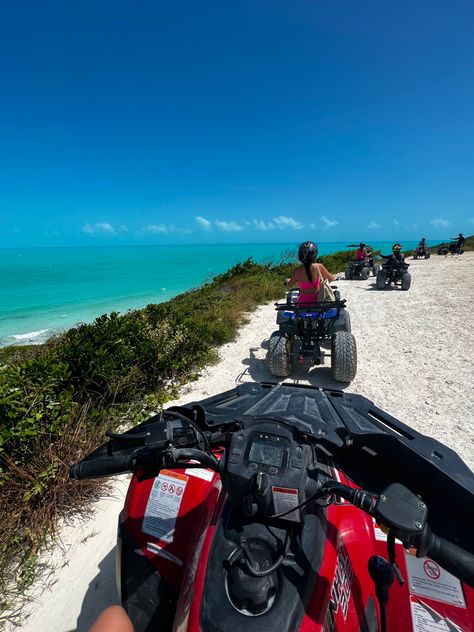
{"x": 451, "y": 557}
{"x": 101, "y": 466}
{"x": 390, "y": 508}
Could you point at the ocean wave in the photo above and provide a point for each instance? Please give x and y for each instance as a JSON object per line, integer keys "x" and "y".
{"x": 29, "y": 338}
{"x": 30, "y": 335}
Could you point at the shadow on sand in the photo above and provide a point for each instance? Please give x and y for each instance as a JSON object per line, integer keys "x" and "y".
{"x": 101, "y": 594}
{"x": 256, "y": 371}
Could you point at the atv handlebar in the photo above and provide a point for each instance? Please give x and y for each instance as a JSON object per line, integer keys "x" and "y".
{"x": 405, "y": 516}
{"x": 101, "y": 466}
{"x": 451, "y": 557}
{"x": 396, "y": 508}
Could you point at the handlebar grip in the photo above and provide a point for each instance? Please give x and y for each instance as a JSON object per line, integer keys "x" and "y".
{"x": 452, "y": 558}
{"x": 101, "y": 466}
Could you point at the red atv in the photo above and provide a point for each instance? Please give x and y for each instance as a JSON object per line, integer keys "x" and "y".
{"x": 290, "y": 508}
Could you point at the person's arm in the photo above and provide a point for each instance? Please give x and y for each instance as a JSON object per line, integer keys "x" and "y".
{"x": 324, "y": 273}
{"x": 292, "y": 281}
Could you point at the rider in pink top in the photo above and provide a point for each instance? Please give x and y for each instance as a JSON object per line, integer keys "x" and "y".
{"x": 308, "y": 276}
{"x": 361, "y": 253}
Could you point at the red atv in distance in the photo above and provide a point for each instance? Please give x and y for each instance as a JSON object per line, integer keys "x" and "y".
{"x": 290, "y": 508}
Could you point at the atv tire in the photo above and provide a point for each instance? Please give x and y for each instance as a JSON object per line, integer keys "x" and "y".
{"x": 406, "y": 281}
{"x": 428, "y": 255}
{"x": 343, "y": 357}
{"x": 347, "y": 273}
{"x": 380, "y": 281}
{"x": 337, "y": 295}
{"x": 278, "y": 354}
{"x": 364, "y": 273}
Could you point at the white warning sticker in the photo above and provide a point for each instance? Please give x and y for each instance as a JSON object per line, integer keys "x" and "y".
{"x": 284, "y": 499}
{"x": 380, "y": 535}
{"x": 199, "y": 472}
{"x": 163, "y": 505}
{"x": 427, "y": 579}
{"x": 425, "y": 619}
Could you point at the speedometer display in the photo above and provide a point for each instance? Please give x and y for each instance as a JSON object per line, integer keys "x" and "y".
{"x": 267, "y": 453}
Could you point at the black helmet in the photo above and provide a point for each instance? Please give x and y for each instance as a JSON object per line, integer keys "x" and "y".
{"x": 308, "y": 252}
{"x": 362, "y": 244}
{"x": 460, "y": 234}
{"x": 396, "y": 247}
{"x": 423, "y": 239}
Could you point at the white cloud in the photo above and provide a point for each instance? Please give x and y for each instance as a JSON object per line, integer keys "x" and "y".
{"x": 329, "y": 222}
{"x": 157, "y": 228}
{"x": 228, "y": 227}
{"x": 396, "y": 222}
{"x": 374, "y": 225}
{"x": 260, "y": 225}
{"x": 203, "y": 223}
{"x": 102, "y": 228}
{"x": 438, "y": 222}
{"x": 282, "y": 222}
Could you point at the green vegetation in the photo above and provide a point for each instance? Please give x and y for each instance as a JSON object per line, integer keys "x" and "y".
{"x": 57, "y": 399}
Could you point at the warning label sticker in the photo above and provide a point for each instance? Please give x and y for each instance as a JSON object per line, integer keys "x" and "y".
{"x": 426, "y": 619}
{"x": 284, "y": 499}
{"x": 163, "y": 505}
{"x": 380, "y": 535}
{"x": 428, "y": 579}
{"x": 206, "y": 475}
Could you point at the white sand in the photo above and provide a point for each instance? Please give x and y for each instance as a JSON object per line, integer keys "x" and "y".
{"x": 415, "y": 353}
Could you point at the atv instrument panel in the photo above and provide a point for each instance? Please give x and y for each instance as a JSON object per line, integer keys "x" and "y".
{"x": 264, "y": 456}
{"x": 267, "y": 453}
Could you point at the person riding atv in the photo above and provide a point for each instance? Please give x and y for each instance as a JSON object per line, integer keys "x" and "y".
{"x": 305, "y": 332}
{"x": 456, "y": 247}
{"x": 363, "y": 263}
{"x": 394, "y": 270}
{"x": 422, "y": 250}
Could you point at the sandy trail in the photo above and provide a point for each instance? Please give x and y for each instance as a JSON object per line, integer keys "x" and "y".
{"x": 415, "y": 360}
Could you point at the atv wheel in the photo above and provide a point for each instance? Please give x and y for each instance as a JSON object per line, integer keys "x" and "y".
{"x": 347, "y": 273}
{"x": 343, "y": 357}
{"x": 406, "y": 281}
{"x": 428, "y": 254}
{"x": 415, "y": 257}
{"x": 364, "y": 273}
{"x": 374, "y": 271}
{"x": 278, "y": 355}
{"x": 337, "y": 295}
{"x": 380, "y": 281}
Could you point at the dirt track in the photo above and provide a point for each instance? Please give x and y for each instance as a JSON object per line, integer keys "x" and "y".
{"x": 415, "y": 360}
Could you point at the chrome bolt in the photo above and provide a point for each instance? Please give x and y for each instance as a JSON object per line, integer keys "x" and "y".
{"x": 383, "y": 498}
{"x": 418, "y": 525}
{"x": 421, "y": 505}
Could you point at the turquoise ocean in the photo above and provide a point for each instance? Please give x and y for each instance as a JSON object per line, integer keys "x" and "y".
{"x": 46, "y": 290}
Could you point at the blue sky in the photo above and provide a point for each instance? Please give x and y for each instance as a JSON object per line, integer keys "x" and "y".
{"x": 152, "y": 122}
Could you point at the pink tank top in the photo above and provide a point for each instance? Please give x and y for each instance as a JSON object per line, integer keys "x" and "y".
{"x": 311, "y": 296}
